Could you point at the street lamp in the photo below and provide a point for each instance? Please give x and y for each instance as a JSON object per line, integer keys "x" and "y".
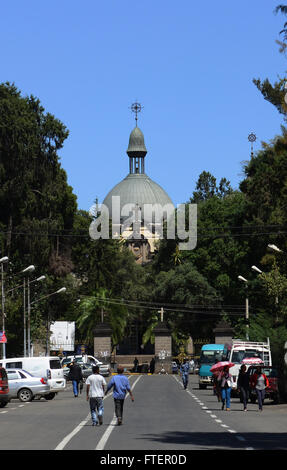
{"x": 59, "y": 291}
{"x": 3, "y": 260}
{"x": 27, "y": 271}
{"x": 257, "y": 270}
{"x": 41, "y": 278}
{"x": 241, "y": 278}
{"x": 274, "y": 248}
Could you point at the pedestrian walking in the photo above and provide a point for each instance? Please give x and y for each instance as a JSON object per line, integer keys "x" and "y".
{"x": 216, "y": 386}
{"x": 76, "y": 376}
{"x": 225, "y": 384}
{"x": 121, "y": 386}
{"x": 184, "y": 370}
{"x": 243, "y": 386}
{"x": 95, "y": 394}
{"x": 259, "y": 381}
{"x": 136, "y": 364}
{"x": 152, "y": 365}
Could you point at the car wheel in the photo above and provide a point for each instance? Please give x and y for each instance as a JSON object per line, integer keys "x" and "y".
{"x": 50, "y": 396}
{"x": 3, "y": 404}
{"x": 25, "y": 395}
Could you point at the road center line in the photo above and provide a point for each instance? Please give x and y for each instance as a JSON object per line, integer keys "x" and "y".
{"x": 102, "y": 442}
{"x": 78, "y": 428}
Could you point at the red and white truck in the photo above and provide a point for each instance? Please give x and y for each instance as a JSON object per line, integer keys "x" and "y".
{"x": 238, "y": 350}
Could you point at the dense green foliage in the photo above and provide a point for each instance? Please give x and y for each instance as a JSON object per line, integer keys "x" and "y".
{"x": 41, "y": 224}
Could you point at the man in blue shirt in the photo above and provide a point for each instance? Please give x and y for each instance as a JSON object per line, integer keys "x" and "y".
{"x": 121, "y": 386}
{"x": 184, "y": 369}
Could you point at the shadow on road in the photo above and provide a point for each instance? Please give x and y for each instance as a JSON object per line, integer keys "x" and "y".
{"x": 220, "y": 440}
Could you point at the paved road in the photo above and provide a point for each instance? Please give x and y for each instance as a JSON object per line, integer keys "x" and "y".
{"x": 163, "y": 417}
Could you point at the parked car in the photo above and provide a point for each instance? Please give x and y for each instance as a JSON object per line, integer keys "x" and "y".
{"x": 88, "y": 362}
{"x": 25, "y": 386}
{"x": 4, "y": 388}
{"x": 42, "y": 366}
{"x": 272, "y": 391}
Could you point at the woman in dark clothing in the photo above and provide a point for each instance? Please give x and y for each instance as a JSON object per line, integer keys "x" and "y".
{"x": 243, "y": 385}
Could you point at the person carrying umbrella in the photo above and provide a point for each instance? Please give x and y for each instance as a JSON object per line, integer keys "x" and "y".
{"x": 225, "y": 384}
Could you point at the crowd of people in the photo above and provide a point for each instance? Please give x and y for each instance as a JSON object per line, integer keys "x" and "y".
{"x": 97, "y": 388}
{"x": 222, "y": 383}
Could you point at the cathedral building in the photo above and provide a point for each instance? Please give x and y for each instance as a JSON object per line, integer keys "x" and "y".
{"x": 138, "y": 194}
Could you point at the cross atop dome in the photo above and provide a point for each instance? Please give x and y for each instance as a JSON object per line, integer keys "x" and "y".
{"x": 136, "y": 108}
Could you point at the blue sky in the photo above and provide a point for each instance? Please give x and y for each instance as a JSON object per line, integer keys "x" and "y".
{"x": 190, "y": 64}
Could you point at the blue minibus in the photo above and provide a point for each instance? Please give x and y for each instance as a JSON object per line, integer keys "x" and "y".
{"x": 210, "y": 354}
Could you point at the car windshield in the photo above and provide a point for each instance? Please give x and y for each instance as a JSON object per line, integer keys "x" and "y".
{"x": 238, "y": 356}
{"x": 211, "y": 357}
{"x": 68, "y": 360}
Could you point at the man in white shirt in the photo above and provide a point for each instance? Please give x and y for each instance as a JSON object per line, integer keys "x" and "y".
{"x": 95, "y": 393}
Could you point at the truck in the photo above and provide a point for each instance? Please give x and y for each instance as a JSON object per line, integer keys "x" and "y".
{"x": 210, "y": 354}
{"x": 239, "y": 349}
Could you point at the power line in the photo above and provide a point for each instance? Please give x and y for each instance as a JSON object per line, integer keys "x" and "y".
{"x": 201, "y": 233}
{"x": 198, "y": 309}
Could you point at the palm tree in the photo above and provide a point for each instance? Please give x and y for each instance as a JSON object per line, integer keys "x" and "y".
{"x": 92, "y": 311}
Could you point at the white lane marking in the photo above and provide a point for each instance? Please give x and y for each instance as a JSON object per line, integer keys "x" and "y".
{"x": 65, "y": 441}
{"x": 78, "y": 428}
{"x": 205, "y": 408}
{"x": 3, "y": 412}
{"x": 101, "y": 444}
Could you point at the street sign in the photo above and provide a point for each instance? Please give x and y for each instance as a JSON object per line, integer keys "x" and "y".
{"x": 3, "y": 338}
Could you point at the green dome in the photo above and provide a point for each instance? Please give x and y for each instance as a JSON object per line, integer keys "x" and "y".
{"x": 137, "y": 189}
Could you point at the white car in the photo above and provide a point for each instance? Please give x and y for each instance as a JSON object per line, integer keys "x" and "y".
{"x": 85, "y": 359}
{"x": 25, "y": 386}
{"x": 40, "y": 366}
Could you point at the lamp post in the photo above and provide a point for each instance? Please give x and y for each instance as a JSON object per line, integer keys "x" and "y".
{"x": 27, "y": 271}
{"x": 2, "y": 261}
{"x": 41, "y": 278}
{"x": 241, "y": 278}
{"x": 59, "y": 291}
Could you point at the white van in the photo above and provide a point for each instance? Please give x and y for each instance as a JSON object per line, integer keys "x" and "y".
{"x": 48, "y": 367}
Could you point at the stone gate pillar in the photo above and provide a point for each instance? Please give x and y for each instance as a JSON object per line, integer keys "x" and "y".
{"x": 103, "y": 342}
{"x": 223, "y": 332}
{"x": 162, "y": 347}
